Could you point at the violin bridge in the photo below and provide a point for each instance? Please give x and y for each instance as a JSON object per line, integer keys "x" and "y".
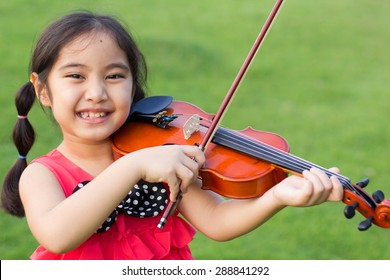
{"x": 192, "y": 125}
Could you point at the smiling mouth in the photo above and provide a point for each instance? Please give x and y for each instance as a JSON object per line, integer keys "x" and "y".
{"x": 92, "y": 115}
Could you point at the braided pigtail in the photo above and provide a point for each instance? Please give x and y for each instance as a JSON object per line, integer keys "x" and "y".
{"x": 23, "y": 137}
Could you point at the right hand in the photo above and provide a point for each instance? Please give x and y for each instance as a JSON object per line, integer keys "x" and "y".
{"x": 176, "y": 165}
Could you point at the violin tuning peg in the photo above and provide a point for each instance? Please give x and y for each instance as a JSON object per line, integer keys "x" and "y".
{"x": 363, "y": 183}
{"x": 349, "y": 210}
{"x": 378, "y": 196}
{"x": 366, "y": 224}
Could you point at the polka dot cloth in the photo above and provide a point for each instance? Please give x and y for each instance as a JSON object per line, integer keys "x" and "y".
{"x": 144, "y": 200}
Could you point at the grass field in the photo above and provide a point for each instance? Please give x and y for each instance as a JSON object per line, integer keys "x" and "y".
{"x": 321, "y": 80}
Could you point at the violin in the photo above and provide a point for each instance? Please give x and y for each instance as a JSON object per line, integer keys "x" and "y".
{"x": 239, "y": 164}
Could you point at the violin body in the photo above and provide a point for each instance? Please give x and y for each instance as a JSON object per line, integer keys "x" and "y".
{"x": 226, "y": 171}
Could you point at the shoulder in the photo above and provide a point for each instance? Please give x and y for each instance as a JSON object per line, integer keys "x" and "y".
{"x": 37, "y": 176}
{"x": 67, "y": 174}
{"x": 39, "y": 189}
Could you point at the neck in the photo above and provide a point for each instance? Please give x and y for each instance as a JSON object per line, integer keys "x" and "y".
{"x": 93, "y": 158}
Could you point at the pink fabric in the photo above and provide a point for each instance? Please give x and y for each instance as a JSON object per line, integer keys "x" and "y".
{"x": 129, "y": 238}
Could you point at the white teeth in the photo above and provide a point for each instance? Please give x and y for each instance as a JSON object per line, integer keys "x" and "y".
{"x": 92, "y": 115}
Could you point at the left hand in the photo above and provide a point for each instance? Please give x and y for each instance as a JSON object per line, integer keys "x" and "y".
{"x": 315, "y": 187}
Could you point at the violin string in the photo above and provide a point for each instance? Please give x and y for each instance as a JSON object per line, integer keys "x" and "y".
{"x": 283, "y": 159}
{"x": 269, "y": 154}
{"x": 273, "y": 155}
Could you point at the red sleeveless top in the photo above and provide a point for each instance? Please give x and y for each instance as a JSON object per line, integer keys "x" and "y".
{"x": 129, "y": 238}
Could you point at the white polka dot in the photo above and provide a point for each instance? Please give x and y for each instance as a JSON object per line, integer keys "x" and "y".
{"x": 154, "y": 188}
{"x": 159, "y": 198}
{"x": 135, "y": 202}
{"x": 163, "y": 190}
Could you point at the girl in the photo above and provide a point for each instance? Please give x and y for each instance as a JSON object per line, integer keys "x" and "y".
{"x": 79, "y": 202}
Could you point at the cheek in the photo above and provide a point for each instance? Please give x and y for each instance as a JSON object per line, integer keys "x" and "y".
{"x": 123, "y": 97}
{"x": 62, "y": 92}
{"x": 63, "y": 104}
{"x": 123, "y": 105}
{"x": 64, "y": 101}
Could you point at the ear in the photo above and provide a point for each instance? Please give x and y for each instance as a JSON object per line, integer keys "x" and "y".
{"x": 40, "y": 90}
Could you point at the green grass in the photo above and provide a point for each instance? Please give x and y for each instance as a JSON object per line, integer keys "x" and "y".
{"x": 320, "y": 80}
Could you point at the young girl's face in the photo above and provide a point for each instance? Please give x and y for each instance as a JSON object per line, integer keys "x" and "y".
{"x": 90, "y": 88}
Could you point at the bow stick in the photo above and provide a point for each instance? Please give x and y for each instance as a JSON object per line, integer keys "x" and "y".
{"x": 227, "y": 100}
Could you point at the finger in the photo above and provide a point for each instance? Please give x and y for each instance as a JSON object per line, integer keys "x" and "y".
{"x": 187, "y": 177}
{"x": 174, "y": 187}
{"x": 334, "y": 170}
{"x": 337, "y": 193}
{"x": 191, "y": 164}
{"x": 333, "y": 190}
{"x": 195, "y": 153}
{"x": 173, "y": 196}
{"x": 324, "y": 178}
{"x": 321, "y": 185}
{"x": 307, "y": 188}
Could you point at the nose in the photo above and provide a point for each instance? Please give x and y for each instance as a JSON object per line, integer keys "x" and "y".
{"x": 96, "y": 92}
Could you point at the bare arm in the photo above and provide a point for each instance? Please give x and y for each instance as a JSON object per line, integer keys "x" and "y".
{"x": 222, "y": 219}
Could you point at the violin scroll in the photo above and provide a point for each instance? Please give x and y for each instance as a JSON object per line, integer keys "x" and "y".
{"x": 375, "y": 208}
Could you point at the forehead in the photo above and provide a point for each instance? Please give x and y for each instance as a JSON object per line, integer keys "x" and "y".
{"x": 97, "y": 45}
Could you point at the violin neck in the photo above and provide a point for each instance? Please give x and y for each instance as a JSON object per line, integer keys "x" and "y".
{"x": 279, "y": 158}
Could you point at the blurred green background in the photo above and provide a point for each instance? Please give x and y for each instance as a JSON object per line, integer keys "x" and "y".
{"x": 321, "y": 80}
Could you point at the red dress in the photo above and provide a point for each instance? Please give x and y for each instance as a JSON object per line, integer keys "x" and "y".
{"x": 129, "y": 237}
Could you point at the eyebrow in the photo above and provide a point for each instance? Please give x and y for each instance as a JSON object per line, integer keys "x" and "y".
{"x": 118, "y": 65}
{"x": 108, "y": 67}
{"x": 72, "y": 65}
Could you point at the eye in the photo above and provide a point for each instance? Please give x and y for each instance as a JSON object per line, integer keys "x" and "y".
{"x": 115, "y": 76}
{"x": 74, "y": 76}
